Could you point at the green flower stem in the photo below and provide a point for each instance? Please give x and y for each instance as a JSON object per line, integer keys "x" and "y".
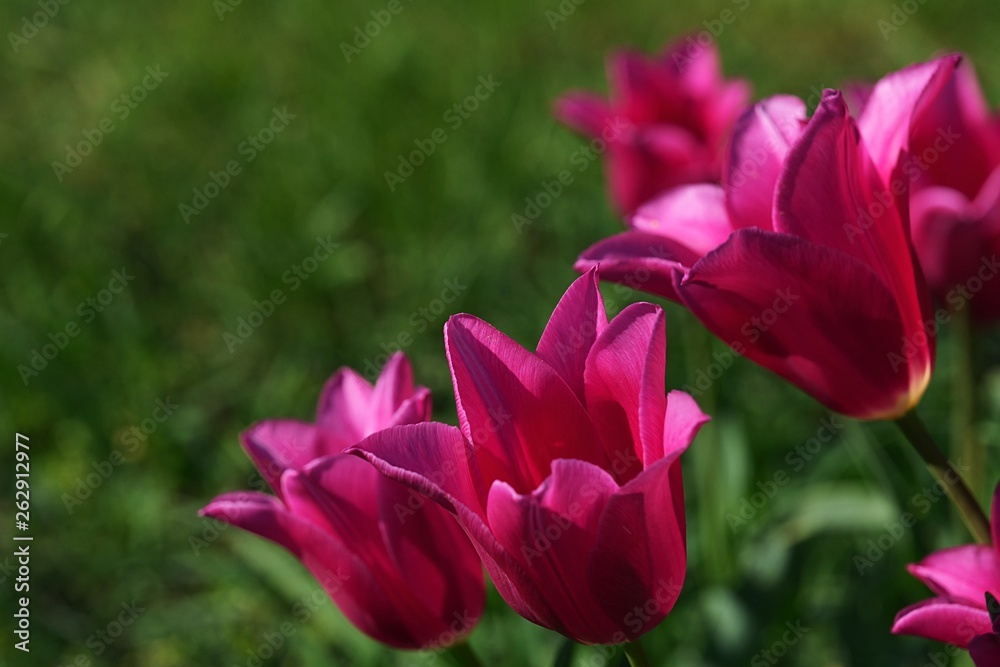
{"x": 946, "y": 475}
{"x": 463, "y": 655}
{"x": 636, "y": 654}
{"x": 964, "y": 444}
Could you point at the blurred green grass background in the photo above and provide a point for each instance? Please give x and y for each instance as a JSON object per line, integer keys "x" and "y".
{"x": 212, "y": 597}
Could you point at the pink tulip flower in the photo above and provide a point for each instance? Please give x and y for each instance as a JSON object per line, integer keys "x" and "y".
{"x": 960, "y": 577}
{"x": 399, "y": 568}
{"x": 666, "y": 123}
{"x": 565, "y": 470}
{"x": 802, "y": 260}
{"x": 956, "y": 208}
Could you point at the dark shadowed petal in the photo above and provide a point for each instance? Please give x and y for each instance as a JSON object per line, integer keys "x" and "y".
{"x": 640, "y": 555}
{"x": 432, "y": 554}
{"x": 550, "y": 532}
{"x": 831, "y": 194}
{"x": 817, "y": 317}
{"x": 434, "y": 460}
{"x": 348, "y": 579}
{"x": 985, "y": 650}
{"x": 341, "y": 495}
{"x": 936, "y": 213}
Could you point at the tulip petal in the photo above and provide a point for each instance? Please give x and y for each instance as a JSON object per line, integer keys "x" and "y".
{"x": 693, "y": 217}
{"x": 830, "y": 194}
{"x": 645, "y": 90}
{"x": 639, "y": 260}
{"x": 800, "y": 310}
{"x": 682, "y": 422}
{"x": 513, "y": 407}
{"x": 432, "y": 554}
{"x": 963, "y": 573}
{"x": 413, "y": 410}
{"x": 643, "y": 162}
{"x": 435, "y": 460}
{"x": 574, "y": 326}
{"x": 943, "y": 620}
{"x": 584, "y": 112}
{"x": 337, "y": 493}
{"x": 344, "y": 405}
{"x": 394, "y": 385}
{"x": 957, "y": 242}
{"x": 896, "y": 101}
{"x": 761, "y": 139}
{"x": 696, "y": 62}
{"x": 432, "y": 458}
{"x": 278, "y": 444}
{"x": 947, "y": 236}
{"x": 550, "y": 532}
{"x": 955, "y": 140}
{"x": 625, "y": 388}
{"x": 640, "y": 555}
{"x": 342, "y": 495}
{"x": 347, "y": 579}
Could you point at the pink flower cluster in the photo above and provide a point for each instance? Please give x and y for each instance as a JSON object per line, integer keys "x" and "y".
{"x": 814, "y": 245}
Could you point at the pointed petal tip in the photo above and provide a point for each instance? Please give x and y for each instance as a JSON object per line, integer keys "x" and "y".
{"x": 833, "y": 100}
{"x": 583, "y": 265}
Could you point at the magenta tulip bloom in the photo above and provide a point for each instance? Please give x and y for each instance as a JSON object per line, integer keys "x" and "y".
{"x": 666, "y": 123}
{"x": 961, "y": 577}
{"x": 399, "y": 568}
{"x": 956, "y": 209}
{"x": 802, "y": 259}
{"x": 565, "y": 471}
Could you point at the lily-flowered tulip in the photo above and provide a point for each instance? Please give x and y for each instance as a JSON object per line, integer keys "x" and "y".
{"x": 666, "y": 122}
{"x": 399, "y": 568}
{"x": 961, "y": 577}
{"x": 802, "y": 260}
{"x": 956, "y": 208}
{"x": 565, "y": 472}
